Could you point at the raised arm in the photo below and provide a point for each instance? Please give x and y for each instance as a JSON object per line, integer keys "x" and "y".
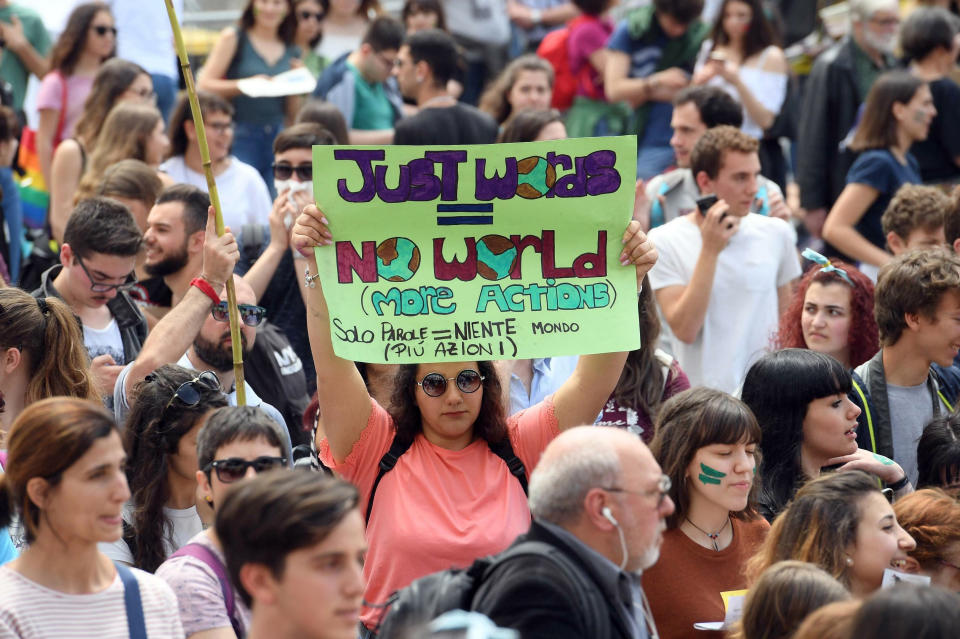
{"x": 174, "y": 334}
{"x": 685, "y": 306}
{"x": 581, "y": 398}
{"x": 341, "y": 393}
{"x": 258, "y": 277}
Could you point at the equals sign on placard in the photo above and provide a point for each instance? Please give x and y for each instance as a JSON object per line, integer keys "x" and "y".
{"x": 451, "y": 220}
{"x": 442, "y": 334}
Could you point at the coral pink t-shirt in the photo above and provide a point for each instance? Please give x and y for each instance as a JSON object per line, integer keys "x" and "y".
{"x": 438, "y": 508}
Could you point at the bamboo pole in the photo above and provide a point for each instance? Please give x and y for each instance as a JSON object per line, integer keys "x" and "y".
{"x": 235, "y": 339}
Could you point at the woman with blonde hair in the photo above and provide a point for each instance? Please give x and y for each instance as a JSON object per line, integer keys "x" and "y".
{"x": 782, "y": 598}
{"x": 526, "y": 83}
{"x": 41, "y": 347}
{"x": 116, "y": 81}
{"x": 842, "y": 523}
{"x": 132, "y": 131}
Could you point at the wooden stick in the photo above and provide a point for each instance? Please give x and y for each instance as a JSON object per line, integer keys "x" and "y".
{"x": 234, "y": 315}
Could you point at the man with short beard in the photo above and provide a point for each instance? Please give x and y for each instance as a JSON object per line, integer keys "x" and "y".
{"x": 212, "y": 349}
{"x": 838, "y": 85}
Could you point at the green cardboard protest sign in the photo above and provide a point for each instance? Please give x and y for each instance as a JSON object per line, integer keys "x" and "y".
{"x": 478, "y": 252}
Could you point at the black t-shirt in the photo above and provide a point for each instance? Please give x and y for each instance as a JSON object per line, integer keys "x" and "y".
{"x": 936, "y": 154}
{"x": 457, "y": 124}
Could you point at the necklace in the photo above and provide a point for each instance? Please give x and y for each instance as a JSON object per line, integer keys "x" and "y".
{"x": 714, "y": 536}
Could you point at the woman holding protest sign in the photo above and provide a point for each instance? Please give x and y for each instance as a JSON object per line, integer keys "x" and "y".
{"x": 450, "y": 498}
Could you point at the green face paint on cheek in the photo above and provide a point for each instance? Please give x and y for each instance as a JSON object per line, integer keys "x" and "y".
{"x": 710, "y": 475}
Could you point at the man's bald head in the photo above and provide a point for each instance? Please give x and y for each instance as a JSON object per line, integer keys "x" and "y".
{"x": 578, "y": 460}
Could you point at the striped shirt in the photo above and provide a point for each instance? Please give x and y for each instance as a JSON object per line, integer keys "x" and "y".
{"x": 31, "y": 611}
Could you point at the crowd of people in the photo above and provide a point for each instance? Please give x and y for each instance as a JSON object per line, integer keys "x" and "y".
{"x": 789, "y": 426}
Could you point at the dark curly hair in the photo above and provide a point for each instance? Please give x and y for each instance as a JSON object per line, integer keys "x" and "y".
{"x": 863, "y": 339}
{"x": 153, "y": 432}
{"x": 491, "y": 424}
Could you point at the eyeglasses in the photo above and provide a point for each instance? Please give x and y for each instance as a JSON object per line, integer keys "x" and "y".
{"x": 435, "y": 384}
{"x": 235, "y": 468}
{"x": 310, "y": 15}
{"x": 102, "y": 287}
{"x": 187, "y": 392}
{"x": 103, "y": 30}
{"x": 283, "y": 171}
{"x": 144, "y": 94}
{"x": 387, "y": 60}
{"x": 662, "y": 490}
{"x": 249, "y": 314}
{"x": 219, "y": 127}
{"x": 886, "y": 22}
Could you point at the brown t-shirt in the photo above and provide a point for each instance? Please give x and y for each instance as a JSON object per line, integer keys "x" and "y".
{"x": 684, "y": 585}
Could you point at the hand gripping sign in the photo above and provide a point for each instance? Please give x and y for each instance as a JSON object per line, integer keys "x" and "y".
{"x": 478, "y": 252}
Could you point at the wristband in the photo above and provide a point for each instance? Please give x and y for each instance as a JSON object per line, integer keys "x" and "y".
{"x": 898, "y": 485}
{"x": 207, "y": 289}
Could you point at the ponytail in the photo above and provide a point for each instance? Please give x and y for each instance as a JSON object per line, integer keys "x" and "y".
{"x": 61, "y": 367}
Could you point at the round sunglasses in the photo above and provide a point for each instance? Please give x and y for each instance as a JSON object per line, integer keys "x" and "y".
{"x": 435, "y": 384}
{"x": 235, "y": 468}
{"x": 249, "y": 314}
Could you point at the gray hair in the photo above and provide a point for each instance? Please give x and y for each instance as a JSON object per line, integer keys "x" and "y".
{"x": 559, "y": 486}
{"x": 863, "y": 10}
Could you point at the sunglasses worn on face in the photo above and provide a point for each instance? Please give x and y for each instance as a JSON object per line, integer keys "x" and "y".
{"x": 435, "y": 384}
{"x": 283, "y": 171}
{"x": 249, "y": 314}
{"x": 235, "y": 468}
{"x": 103, "y": 30}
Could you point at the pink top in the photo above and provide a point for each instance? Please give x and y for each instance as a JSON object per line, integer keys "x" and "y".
{"x": 585, "y": 38}
{"x": 439, "y": 508}
{"x": 50, "y": 96}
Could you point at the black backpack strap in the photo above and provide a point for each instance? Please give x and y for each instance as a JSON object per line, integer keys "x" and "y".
{"x": 592, "y": 604}
{"x": 504, "y": 450}
{"x": 387, "y": 462}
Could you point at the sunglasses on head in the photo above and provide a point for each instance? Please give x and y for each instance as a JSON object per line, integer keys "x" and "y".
{"x": 235, "y": 468}
{"x": 188, "y": 392}
{"x": 435, "y": 384}
{"x": 249, "y": 314}
{"x": 283, "y": 171}
{"x": 103, "y": 30}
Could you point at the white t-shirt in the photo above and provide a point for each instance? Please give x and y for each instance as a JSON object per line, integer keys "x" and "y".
{"x": 743, "y": 313}
{"x": 144, "y": 35}
{"x": 31, "y": 611}
{"x": 106, "y": 341}
{"x": 186, "y": 523}
{"x": 244, "y": 197}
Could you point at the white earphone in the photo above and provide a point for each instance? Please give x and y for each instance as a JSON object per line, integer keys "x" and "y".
{"x": 609, "y": 516}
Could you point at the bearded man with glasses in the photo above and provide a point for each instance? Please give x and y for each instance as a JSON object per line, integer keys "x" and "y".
{"x": 97, "y": 258}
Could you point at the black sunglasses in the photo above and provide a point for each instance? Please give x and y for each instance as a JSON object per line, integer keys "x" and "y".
{"x": 284, "y": 171}
{"x": 435, "y": 384}
{"x": 187, "y": 392}
{"x": 103, "y": 30}
{"x": 307, "y": 15}
{"x": 249, "y": 314}
{"x": 235, "y": 468}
